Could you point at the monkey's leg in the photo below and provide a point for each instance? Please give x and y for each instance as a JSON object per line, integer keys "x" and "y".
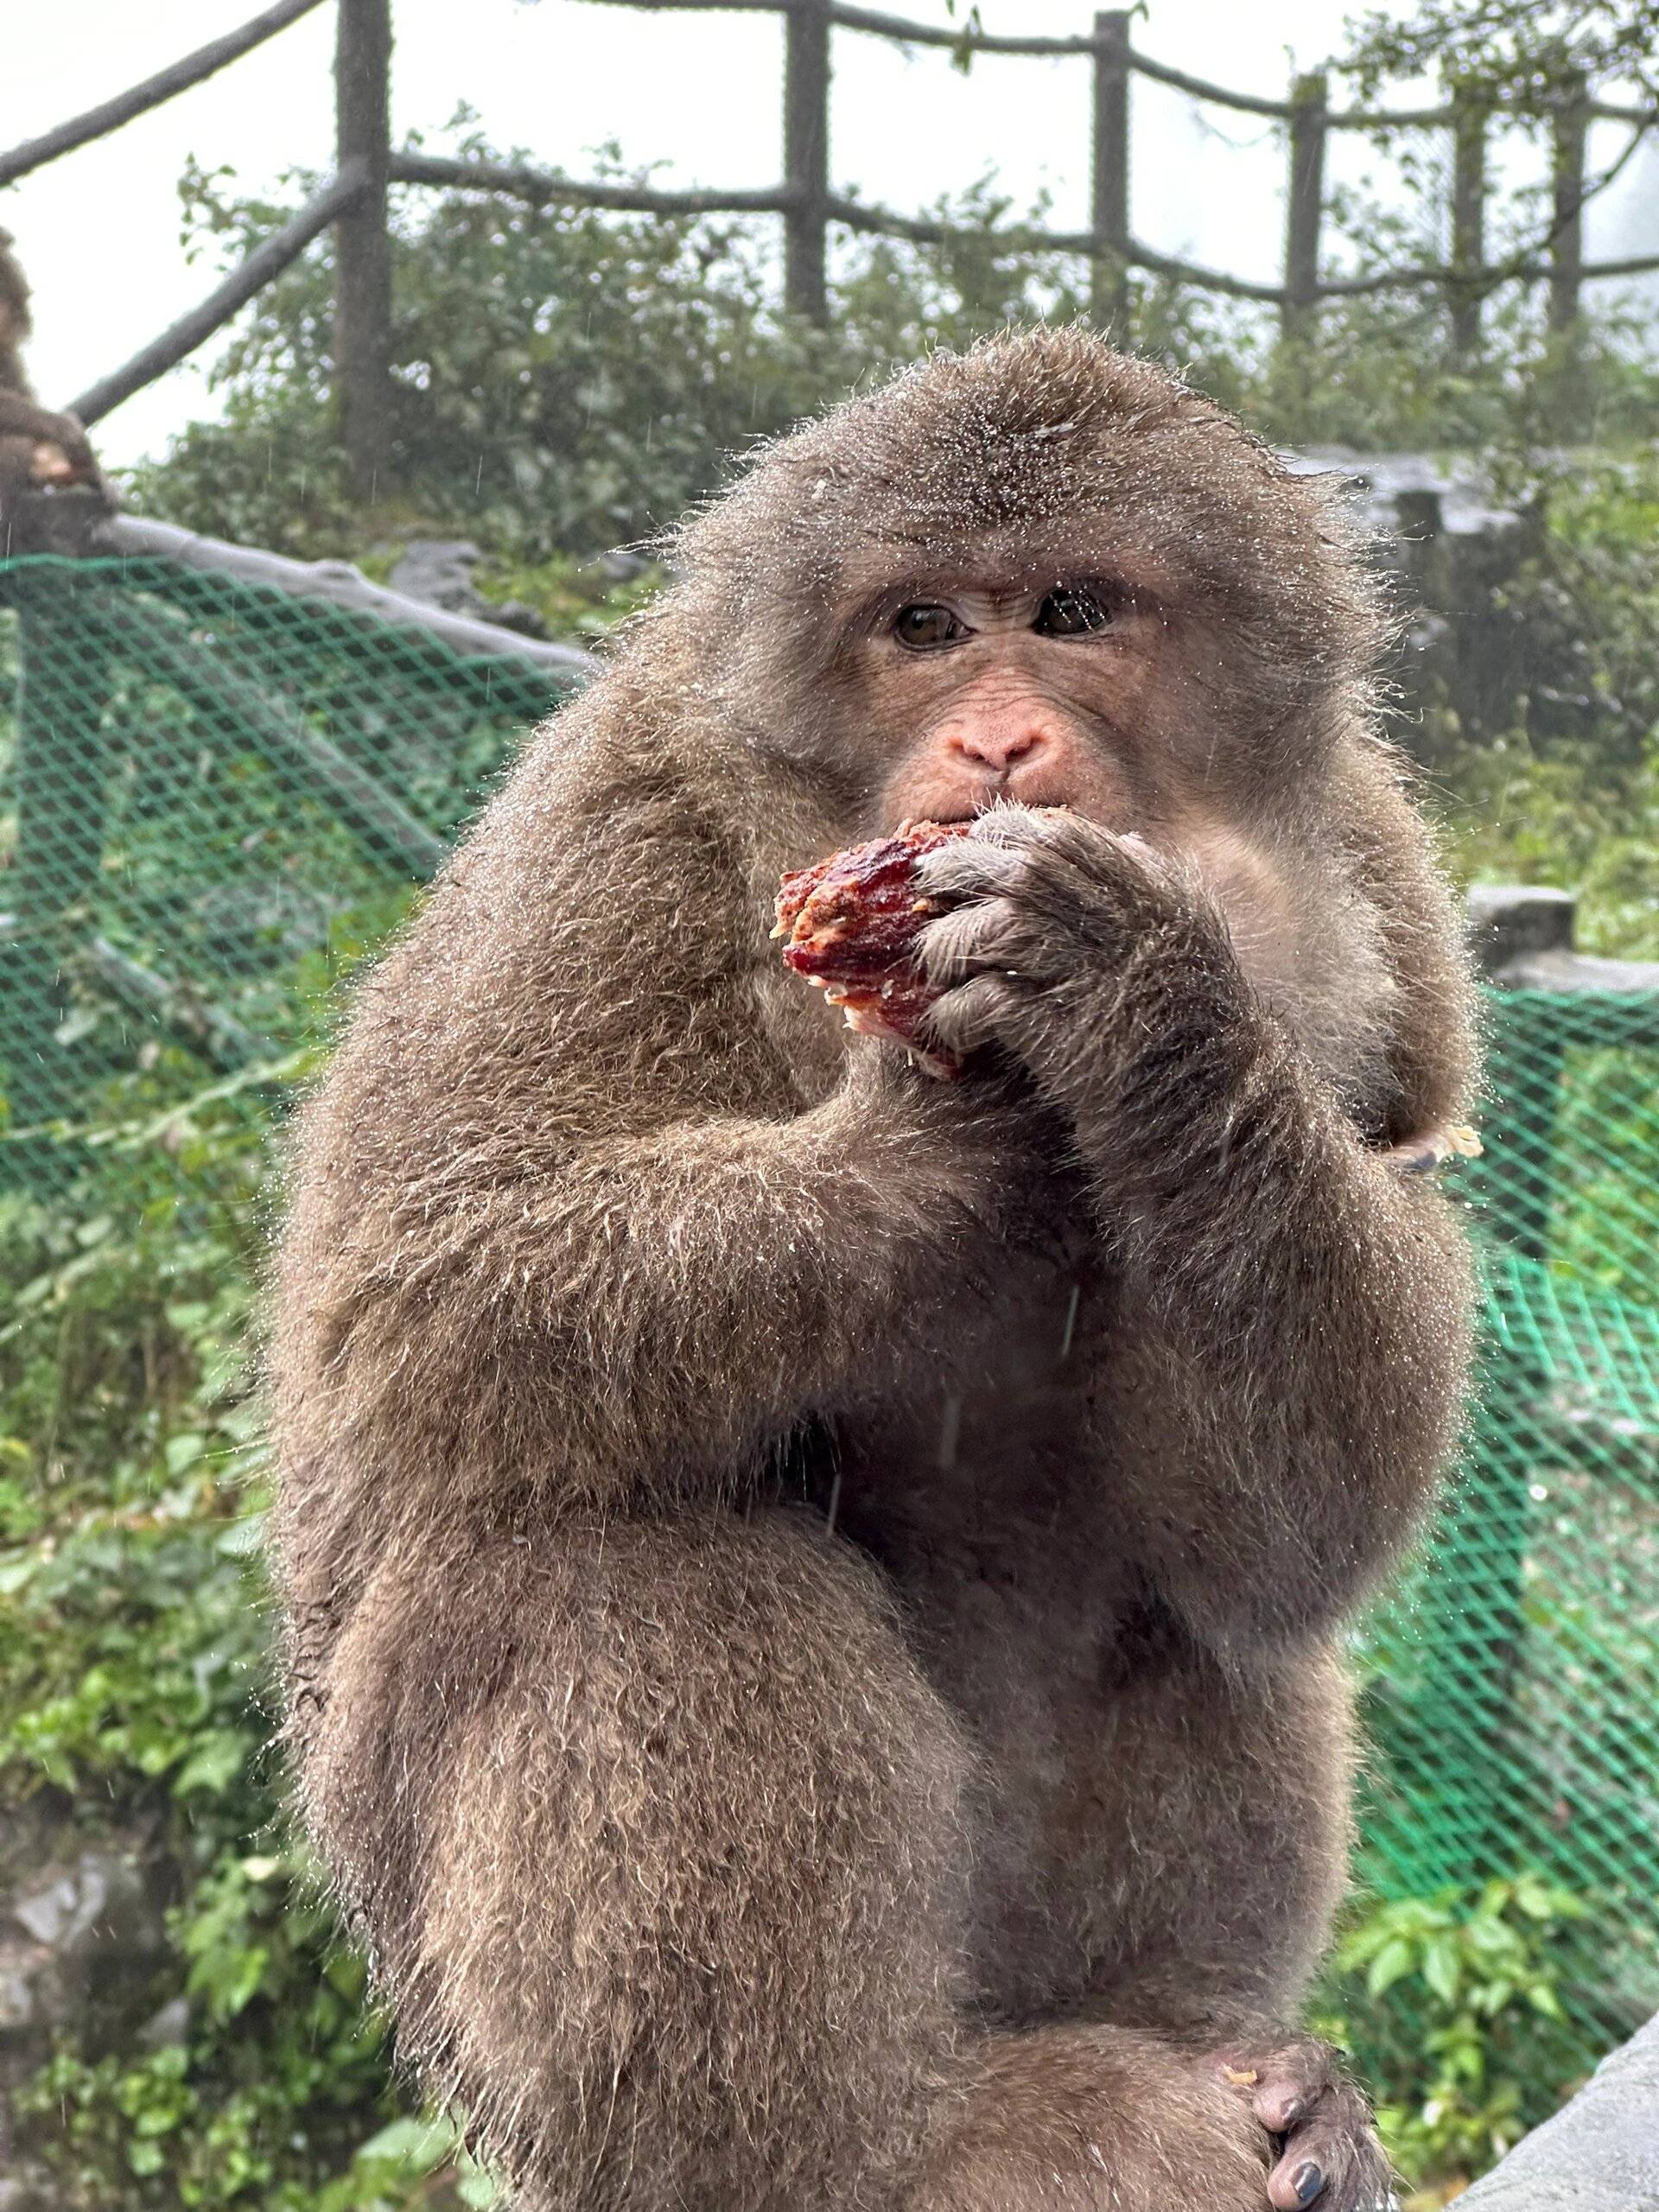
{"x": 1223, "y": 1843}
{"x": 657, "y": 1831}
{"x": 1094, "y": 2118}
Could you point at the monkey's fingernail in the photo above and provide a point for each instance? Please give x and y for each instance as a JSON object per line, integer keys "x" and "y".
{"x": 778, "y": 930}
{"x": 1307, "y": 2181}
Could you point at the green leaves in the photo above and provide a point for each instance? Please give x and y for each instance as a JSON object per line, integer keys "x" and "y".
{"x": 1520, "y": 52}
{"x": 567, "y": 380}
{"x": 134, "y": 1675}
{"x": 1440, "y": 1997}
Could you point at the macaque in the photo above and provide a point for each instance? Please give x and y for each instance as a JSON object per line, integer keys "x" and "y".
{"x": 814, "y": 1591}
{"x": 38, "y": 448}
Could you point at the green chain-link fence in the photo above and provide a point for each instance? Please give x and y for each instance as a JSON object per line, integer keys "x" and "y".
{"x": 213, "y": 792}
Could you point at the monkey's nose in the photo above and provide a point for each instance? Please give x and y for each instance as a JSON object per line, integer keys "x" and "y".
{"x": 999, "y": 745}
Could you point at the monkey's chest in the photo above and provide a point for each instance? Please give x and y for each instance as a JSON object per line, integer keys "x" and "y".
{"x": 985, "y": 1466}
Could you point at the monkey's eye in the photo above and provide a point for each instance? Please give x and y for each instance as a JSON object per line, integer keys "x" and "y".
{"x": 1074, "y": 611}
{"x": 924, "y": 628}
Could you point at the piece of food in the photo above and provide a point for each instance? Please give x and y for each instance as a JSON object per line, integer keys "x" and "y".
{"x": 850, "y": 926}
{"x": 1422, "y": 1155}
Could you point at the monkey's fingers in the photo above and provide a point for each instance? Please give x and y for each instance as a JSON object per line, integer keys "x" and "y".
{"x": 1286, "y": 2083}
{"x": 1121, "y": 854}
{"x": 984, "y": 934}
{"x": 1330, "y": 2159}
{"x": 969, "y": 869}
{"x": 987, "y": 1009}
{"x": 1089, "y": 890}
{"x": 1421, "y": 1155}
{"x": 1044, "y": 916}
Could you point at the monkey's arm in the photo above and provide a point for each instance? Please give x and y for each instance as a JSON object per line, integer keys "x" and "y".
{"x": 21, "y": 418}
{"x": 1295, "y": 1316}
{"x": 628, "y": 1311}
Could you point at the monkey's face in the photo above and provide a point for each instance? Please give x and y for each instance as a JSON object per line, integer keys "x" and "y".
{"x": 1096, "y": 684}
{"x": 969, "y": 689}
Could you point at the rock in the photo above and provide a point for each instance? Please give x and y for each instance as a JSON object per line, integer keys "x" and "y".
{"x": 166, "y": 2029}
{"x": 514, "y": 614}
{"x": 17, "y": 2000}
{"x": 1417, "y": 496}
{"x": 67, "y": 1909}
{"x": 1600, "y": 2153}
{"x": 80, "y": 1945}
{"x": 27, "y": 2189}
{"x": 1510, "y": 922}
{"x": 438, "y": 572}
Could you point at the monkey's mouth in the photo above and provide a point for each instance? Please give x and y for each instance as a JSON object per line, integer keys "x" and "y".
{"x": 951, "y": 818}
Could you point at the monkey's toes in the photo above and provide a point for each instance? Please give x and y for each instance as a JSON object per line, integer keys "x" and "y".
{"x": 1330, "y": 2159}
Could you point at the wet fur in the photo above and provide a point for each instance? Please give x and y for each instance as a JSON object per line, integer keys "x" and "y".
{"x": 812, "y": 1594}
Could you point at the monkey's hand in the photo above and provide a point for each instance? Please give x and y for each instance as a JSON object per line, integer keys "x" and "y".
{"x": 1329, "y": 2157}
{"x": 1068, "y": 946}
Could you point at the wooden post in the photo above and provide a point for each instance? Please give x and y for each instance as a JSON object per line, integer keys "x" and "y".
{"x": 1469, "y": 119}
{"x": 1308, "y": 101}
{"x": 806, "y": 157}
{"x": 1110, "y": 218}
{"x": 1569, "y": 128}
{"x": 363, "y": 247}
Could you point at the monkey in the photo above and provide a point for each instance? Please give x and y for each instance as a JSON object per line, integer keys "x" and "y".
{"x": 39, "y": 448}
{"x": 811, "y": 1594}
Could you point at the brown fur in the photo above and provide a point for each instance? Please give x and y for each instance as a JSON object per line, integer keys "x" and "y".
{"x": 813, "y": 1593}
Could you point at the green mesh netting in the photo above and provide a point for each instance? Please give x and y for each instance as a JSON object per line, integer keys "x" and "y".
{"x": 1513, "y": 1678}
{"x": 215, "y": 794}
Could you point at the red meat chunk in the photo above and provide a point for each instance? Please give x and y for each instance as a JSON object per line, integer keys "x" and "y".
{"x": 850, "y": 924}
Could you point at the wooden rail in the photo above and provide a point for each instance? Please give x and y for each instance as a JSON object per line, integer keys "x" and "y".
{"x": 138, "y": 99}
{"x": 355, "y": 202}
{"x": 267, "y": 260}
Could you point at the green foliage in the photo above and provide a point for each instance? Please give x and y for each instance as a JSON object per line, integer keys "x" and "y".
{"x": 567, "y": 380}
{"x": 1543, "y": 734}
{"x": 1516, "y": 50}
{"x": 1442, "y": 2000}
{"x": 134, "y": 1679}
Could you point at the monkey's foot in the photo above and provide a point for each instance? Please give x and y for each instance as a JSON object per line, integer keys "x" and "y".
{"x": 1329, "y": 2157}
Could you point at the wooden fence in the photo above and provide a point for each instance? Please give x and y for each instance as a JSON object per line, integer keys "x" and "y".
{"x": 355, "y": 200}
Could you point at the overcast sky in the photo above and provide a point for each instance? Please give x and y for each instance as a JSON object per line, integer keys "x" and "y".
{"x": 99, "y": 231}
